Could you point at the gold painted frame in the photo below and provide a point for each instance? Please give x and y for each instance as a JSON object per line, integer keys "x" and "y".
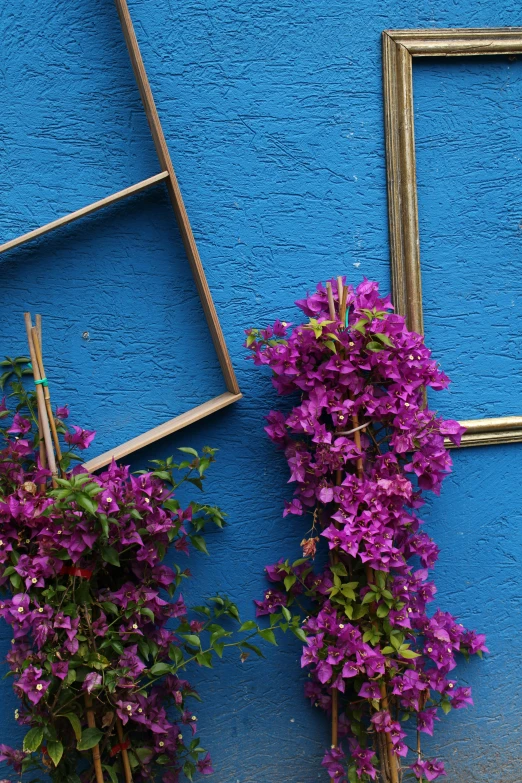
{"x": 399, "y": 49}
{"x": 168, "y": 177}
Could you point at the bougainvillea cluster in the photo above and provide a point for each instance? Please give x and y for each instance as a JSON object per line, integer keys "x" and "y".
{"x": 94, "y": 611}
{"x": 362, "y": 448}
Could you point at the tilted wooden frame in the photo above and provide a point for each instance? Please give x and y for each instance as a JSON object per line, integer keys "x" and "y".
{"x": 399, "y": 49}
{"x": 167, "y": 176}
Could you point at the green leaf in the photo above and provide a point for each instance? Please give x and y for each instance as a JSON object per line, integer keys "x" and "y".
{"x": 160, "y": 668}
{"x": 374, "y": 346}
{"x": 55, "y": 751}
{"x": 395, "y": 642}
{"x": 387, "y": 650}
{"x": 299, "y": 633}
{"x": 110, "y": 555}
{"x": 360, "y": 325}
{"x": 146, "y": 612}
{"x": 111, "y": 608}
{"x": 199, "y": 543}
{"x": 98, "y": 661}
{"x": 142, "y": 753}
{"x": 191, "y": 639}
{"x": 205, "y": 659}
{"x": 118, "y": 647}
{"x": 446, "y": 706}
{"x": 16, "y": 581}
{"x": 268, "y": 635}
{"x": 289, "y": 581}
{"x": 86, "y": 502}
{"x": 75, "y": 723}
{"x": 188, "y": 450}
{"x": 347, "y": 591}
{"x": 368, "y": 598}
{"x": 112, "y": 772}
{"x": 408, "y": 654}
{"x": 90, "y": 738}
{"x": 286, "y": 613}
{"x": 253, "y": 648}
{"x": 382, "y": 611}
{"x": 219, "y": 647}
{"x": 248, "y": 626}
{"x": 384, "y": 339}
{"x": 176, "y": 655}
{"x": 33, "y": 739}
{"x": 217, "y": 633}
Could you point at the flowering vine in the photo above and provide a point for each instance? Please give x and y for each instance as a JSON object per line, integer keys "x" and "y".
{"x": 102, "y": 635}
{"x": 362, "y": 448}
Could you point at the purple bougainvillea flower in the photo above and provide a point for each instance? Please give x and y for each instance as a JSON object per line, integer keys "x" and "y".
{"x": 20, "y": 425}
{"x": 273, "y": 601}
{"x": 425, "y": 720}
{"x": 92, "y": 681}
{"x": 431, "y": 770}
{"x": 32, "y": 685}
{"x": 14, "y": 758}
{"x": 293, "y": 507}
{"x": 60, "y": 669}
{"x": 204, "y": 765}
{"x": 461, "y": 697}
{"x": 363, "y": 759}
{"x": 62, "y": 412}
{"x": 80, "y": 438}
{"x": 370, "y": 690}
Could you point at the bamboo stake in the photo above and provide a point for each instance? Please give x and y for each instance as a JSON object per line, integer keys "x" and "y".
{"x": 392, "y": 759}
{"x": 41, "y": 400}
{"x": 340, "y": 288}
{"x": 124, "y": 755}
{"x": 47, "y": 396}
{"x": 342, "y": 305}
{"x": 41, "y": 444}
{"x": 331, "y": 303}
{"x": 96, "y": 759}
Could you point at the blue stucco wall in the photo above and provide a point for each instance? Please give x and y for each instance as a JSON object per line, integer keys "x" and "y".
{"x": 273, "y": 114}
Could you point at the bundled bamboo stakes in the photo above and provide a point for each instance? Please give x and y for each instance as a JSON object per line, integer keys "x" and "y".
{"x": 42, "y": 412}
{"x": 47, "y": 393}
{"x": 389, "y": 761}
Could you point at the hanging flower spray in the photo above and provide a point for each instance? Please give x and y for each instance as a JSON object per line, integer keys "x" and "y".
{"x": 362, "y": 448}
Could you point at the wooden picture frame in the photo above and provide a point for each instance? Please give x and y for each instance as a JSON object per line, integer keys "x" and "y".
{"x": 399, "y": 49}
{"x": 167, "y": 177}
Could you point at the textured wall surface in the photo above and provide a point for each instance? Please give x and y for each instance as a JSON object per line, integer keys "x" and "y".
{"x": 273, "y": 114}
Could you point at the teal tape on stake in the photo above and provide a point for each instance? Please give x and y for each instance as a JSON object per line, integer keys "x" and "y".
{"x": 43, "y": 382}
